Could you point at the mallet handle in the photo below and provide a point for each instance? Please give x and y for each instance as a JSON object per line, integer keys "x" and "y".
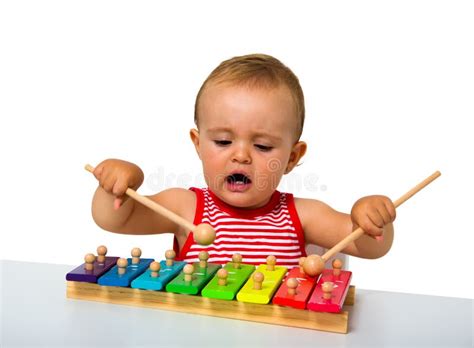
{"x": 154, "y": 206}
{"x": 359, "y": 231}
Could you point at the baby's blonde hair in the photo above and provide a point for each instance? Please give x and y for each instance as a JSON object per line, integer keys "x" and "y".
{"x": 257, "y": 70}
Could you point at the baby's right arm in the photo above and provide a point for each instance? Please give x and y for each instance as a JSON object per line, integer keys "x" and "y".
{"x": 113, "y": 211}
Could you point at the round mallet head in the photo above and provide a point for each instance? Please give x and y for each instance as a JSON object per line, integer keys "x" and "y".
{"x": 301, "y": 263}
{"x": 313, "y": 265}
{"x": 204, "y": 234}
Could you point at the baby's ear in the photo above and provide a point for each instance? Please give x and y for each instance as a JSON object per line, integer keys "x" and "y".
{"x": 298, "y": 151}
{"x": 194, "y": 134}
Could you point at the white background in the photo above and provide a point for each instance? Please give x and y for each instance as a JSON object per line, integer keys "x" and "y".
{"x": 389, "y": 95}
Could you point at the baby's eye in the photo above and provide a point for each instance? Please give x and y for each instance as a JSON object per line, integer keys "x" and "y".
{"x": 222, "y": 142}
{"x": 263, "y": 148}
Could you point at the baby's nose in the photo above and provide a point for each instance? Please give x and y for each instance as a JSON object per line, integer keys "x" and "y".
{"x": 241, "y": 155}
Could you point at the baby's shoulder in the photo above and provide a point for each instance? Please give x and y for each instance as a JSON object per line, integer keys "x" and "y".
{"x": 179, "y": 200}
{"x": 307, "y": 203}
{"x": 178, "y": 195}
{"x": 308, "y": 208}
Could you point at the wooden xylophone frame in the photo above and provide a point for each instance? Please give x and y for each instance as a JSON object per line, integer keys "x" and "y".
{"x": 269, "y": 313}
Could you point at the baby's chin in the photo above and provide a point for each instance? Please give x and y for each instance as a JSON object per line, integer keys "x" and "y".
{"x": 244, "y": 200}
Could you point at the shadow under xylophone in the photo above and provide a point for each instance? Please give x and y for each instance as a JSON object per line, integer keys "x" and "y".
{"x": 297, "y": 299}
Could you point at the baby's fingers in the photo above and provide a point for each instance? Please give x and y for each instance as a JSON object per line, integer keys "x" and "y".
{"x": 373, "y": 223}
{"x": 390, "y": 207}
{"x": 98, "y": 171}
{"x": 385, "y": 214}
{"x": 118, "y": 190}
{"x": 376, "y": 218}
{"x": 118, "y": 203}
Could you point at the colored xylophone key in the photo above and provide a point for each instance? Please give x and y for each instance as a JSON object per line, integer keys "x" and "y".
{"x": 194, "y": 276}
{"x": 80, "y": 274}
{"x": 234, "y": 280}
{"x": 304, "y": 287}
{"x": 166, "y": 272}
{"x": 330, "y": 291}
{"x": 131, "y": 270}
{"x": 94, "y": 267}
{"x": 261, "y": 290}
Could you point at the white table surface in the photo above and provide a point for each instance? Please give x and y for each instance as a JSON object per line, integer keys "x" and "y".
{"x": 35, "y": 312}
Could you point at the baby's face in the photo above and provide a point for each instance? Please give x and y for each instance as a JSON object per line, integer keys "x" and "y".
{"x": 246, "y": 141}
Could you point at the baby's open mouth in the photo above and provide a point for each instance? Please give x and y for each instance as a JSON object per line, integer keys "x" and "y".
{"x": 238, "y": 179}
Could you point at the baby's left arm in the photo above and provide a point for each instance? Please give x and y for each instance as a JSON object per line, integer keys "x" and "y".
{"x": 325, "y": 226}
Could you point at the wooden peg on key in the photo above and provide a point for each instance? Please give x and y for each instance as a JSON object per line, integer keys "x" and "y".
{"x": 292, "y": 284}
{"x": 101, "y": 252}
{"x": 188, "y": 272}
{"x": 170, "y": 255}
{"x": 271, "y": 261}
{"x": 222, "y": 275}
{"x": 203, "y": 257}
{"x": 336, "y": 268}
{"x": 257, "y": 280}
{"x": 136, "y": 253}
{"x": 155, "y": 269}
{"x": 327, "y": 288}
{"x": 122, "y": 266}
{"x": 236, "y": 259}
{"x": 89, "y": 259}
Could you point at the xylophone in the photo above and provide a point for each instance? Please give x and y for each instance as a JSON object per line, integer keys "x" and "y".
{"x": 267, "y": 293}
{"x": 308, "y": 297}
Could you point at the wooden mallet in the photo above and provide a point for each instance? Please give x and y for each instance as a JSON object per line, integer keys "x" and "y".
{"x": 203, "y": 234}
{"x": 314, "y": 264}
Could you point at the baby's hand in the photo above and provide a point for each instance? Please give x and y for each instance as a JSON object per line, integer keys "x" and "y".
{"x": 372, "y": 213}
{"x": 116, "y": 176}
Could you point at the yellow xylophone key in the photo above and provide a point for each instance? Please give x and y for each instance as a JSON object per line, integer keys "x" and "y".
{"x": 260, "y": 289}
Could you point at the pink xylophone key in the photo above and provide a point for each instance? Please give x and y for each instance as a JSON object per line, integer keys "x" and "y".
{"x": 331, "y": 290}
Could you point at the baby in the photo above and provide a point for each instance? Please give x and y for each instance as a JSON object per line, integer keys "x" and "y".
{"x": 249, "y": 117}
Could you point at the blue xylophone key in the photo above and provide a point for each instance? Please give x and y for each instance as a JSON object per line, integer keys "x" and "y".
{"x": 147, "y": 282}
{"x": 112, "y": 278}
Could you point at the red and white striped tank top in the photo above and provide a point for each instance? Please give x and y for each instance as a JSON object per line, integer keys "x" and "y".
{"x": 273, "y": 229}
